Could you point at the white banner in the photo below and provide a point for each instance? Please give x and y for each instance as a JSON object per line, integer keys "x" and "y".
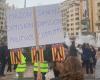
{"x": 20, "y": 28}
{"x": 49, "y": 24}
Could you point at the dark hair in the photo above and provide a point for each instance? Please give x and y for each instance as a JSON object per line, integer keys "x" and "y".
{"x": 72, "y": 69}
{"x": 65, "y": 46}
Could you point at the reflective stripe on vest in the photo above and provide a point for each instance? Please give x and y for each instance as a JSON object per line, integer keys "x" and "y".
{"x": 43, "y": 67}
{"x": 21, "y": 68}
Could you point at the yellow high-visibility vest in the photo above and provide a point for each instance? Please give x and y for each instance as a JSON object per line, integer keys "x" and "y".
{"x": 21, "y": 67}
{"x": 43, "y": 67}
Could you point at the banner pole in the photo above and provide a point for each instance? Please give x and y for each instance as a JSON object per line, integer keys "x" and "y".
{"x": 39, "y": 75}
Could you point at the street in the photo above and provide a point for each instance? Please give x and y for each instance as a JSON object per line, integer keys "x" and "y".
{"x": 29, "y": 75}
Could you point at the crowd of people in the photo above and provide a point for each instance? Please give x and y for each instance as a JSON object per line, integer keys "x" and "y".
{"x": 79, "y": 60}
{"x": 5, "y": 60}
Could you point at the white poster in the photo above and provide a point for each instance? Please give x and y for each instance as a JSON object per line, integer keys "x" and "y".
{"x": 20, "y": 31}
{"x": 20, "y": 26}
{"x": 49, "y": 24}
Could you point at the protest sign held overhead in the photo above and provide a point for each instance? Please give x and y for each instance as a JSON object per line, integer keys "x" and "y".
{"x": 20, "y": 28}
{"x": 21, "y": 25}
{"x": 49, "y": 24}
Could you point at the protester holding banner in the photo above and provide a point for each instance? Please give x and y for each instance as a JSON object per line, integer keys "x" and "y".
{"x": 9, "y": 62}
{"x": 73, "y": 50}
{"x": 3, "y": 59}
{"x": 43, "y": 70}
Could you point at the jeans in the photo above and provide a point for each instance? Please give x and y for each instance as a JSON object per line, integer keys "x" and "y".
{"x": 89, "y": 67}
{"x": 2, "y": 69}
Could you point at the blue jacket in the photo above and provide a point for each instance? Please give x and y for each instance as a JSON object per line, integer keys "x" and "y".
{"x": 86, "y": 54}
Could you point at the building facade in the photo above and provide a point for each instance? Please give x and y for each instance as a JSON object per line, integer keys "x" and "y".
{"x": 97, "y": 16}
{"x": 3, "y": 29}
{"x": 97, "y": 21}
{"x": 71, "y": 17}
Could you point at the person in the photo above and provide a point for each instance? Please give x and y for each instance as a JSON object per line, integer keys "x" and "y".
{"x": 9, "y": 62}
{"x": 93, "y": 55}
{"x": 43, "y": 70}
{"x": 48, "y": 53}
{"x": 70, "y": 69}
{"x": 79, "y": 49}
{"x": 73, "y": 50}
{"x": 21, "y": 68}
{"x": 86, "y": 58}
{"x": 3, "y": 59}
{"x": 97, "y": 69}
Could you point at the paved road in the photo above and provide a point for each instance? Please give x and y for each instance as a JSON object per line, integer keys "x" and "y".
{"x": 29, "y": 73}
{"x": 11, "y": 76}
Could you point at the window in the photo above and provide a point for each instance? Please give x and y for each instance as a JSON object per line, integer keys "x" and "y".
{"x": 98, "y": 4}
{"x": 67, "y": 24}
{"x": 72, "y": 19}
{"x": 67, "y": 20}
{"x": 98, "y": 27}
{"x": 76, "y": 9}
{"x": 1, "y": 22}
{"x": 71, "y": 29}
{"x": 67, "y": 29}
{"x": 1, "y": 27}
{"x": 77, "y": 33}
{"x": 77, "y": 18}
{"x": 76, "y": 14}
{"x": 67, "y": 15}
{"x": 64, "y": 28}
{"x": 77, "y": 28}
{"x": 77, "y": 23}
{"x": 72, "y": 24}
{"x": 72, "y": 15}
{"x": 72, "y": 33}
{"x": 99, "y": 18}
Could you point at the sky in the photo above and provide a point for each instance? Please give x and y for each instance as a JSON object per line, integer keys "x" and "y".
{"x": 20, "y": 3}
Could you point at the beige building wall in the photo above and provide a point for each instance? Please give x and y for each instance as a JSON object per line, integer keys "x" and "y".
{"x": 2, "y": 22}
{"x": 97, "y": 23}
{"x": 92, "y": 15}
{"x": 71, "y": 17}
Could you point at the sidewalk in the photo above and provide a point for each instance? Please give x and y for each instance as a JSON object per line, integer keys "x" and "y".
{"x": 28, "y": 75}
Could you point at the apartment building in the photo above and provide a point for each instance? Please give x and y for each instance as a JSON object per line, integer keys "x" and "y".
{"x": 97, "y": 23}
{"x": 97, "y": 16}
{"x": 2, "y": 22}
{"x": 71, "y": 17}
